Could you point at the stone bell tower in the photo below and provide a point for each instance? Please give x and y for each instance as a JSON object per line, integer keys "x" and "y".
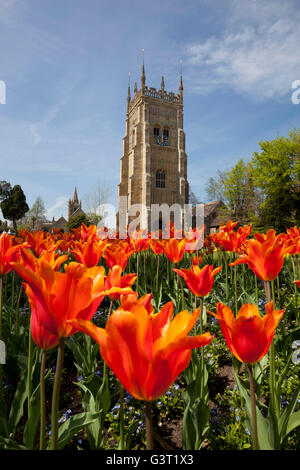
{"x": 154, "y": 162}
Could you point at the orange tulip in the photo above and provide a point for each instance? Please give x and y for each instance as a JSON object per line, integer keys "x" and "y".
{"x": 199, "y": 281}
{"x": 291, "y": 239}
{"x": 57, "y": 296}
{"x": 229, "y": 240}
{"x": 173, "y": 249}
{"x": 139, "y": 241}
{"x": 297, "y": 283}
{"x": 197, "y": 260}
{"x": 89, "y": 232}
{"x": 194, "y": 239}
{"x": 264, "y": 255}
{"x": 146, "y": 351}
{"x": 228, "y": 227}
{"x": 39, "y": 241}
{"x": 118, "y": 254}
{"x": 114, "y": 281}
{"x": 88, "y": 252}
{"x": 128, "y": 301}
{"x": 8, "y": 253}
{"x": 249, "y": 335}
{"x": 29, "y": 260}
{"x": 155, "y": 246}
{"x": 42, "y": 338}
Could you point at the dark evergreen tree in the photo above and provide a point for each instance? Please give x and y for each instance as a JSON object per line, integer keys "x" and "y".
{"x": 14, "y": 206}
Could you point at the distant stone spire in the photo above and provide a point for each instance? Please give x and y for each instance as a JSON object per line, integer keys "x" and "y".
{"x": 181, "y": 82}
{"x": 128, "y": 94}
{"x": 135, "y": 88}
{"x": 162, "y": 86}
{"x": 143, "y": 76}
{"x": 75, "y": 197}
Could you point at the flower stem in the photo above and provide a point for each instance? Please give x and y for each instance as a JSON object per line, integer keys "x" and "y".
{"x": 13, "y": 289}
{"x": 235, "y": 290}
{"x": 271, "y": 357}
{"x": 226, "y": 274}
{"x": 1, "y": 307}
{"x": 29, "y": 372}
{"x": 18, "y": 311}
{"x": 149, "y": 426}
{"x": 1, "y": 304}
{"x": 201, "y": 350}
{"x": 256, "y": 289}
{"x": 145, "y": 277}
{"x": 157, "y": 272}
{"x": 43, "y": 401}
{"x": 121, "y": 416}
{"x": 255, "y": 445}
{"x": 182, "y": 292}
{"x": 137, "y": 272}
{"x": 56, "y": 392}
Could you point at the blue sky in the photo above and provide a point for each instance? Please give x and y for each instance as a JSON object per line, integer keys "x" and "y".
{"x": 65, "y": 64}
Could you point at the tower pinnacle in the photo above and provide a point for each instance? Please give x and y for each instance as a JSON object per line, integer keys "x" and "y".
{"x": 181, "y": 82}
{"x": 128, "y": 94}
{"x": 75, "y": 196}
{"x": 143, "y": 76}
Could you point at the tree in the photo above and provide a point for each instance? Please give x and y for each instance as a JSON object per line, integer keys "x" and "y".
{"x": 77, "y": 221}
{"x": 38, "y": 212}
{"x": 193, "y": 198}
{"x": 215, "y": 186}
{"x": 236, "y": 188}
{"x": 5, "y": 189}
{"x": 98, "y": 196}
{"x": 93, "y": 219}
{"x": 277, "y": 173}
{"x": 14, "y": 206}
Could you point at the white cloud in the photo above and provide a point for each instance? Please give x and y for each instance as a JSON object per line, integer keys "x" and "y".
{"x": 58, "y": 209}
{"x": 257, "y": 54}
{"x": 36, "y": 127}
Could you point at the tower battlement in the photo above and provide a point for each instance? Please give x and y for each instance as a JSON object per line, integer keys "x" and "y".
{"x": 159, "y": 95}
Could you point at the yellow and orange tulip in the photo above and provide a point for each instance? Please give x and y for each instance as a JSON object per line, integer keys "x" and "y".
{"x": 146, "y": 351}
{"x": 248, "y": 336}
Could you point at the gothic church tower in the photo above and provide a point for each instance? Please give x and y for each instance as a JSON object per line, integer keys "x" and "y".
{"x": 154, "y": 162}
{"x": 74, "y": 206}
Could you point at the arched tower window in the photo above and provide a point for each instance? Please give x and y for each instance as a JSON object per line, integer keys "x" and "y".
{"x": 160, "y": 179}
{"x": 166, "y": 132}
{"x": 156, "y": 130}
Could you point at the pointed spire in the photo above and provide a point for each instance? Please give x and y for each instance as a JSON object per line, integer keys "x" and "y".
{"x": 181, "y": 82}
{"x": 128, "y": 94}
{"x": 135, "y": 88}
{"x": 162, "y": 86}
{"x": 143, "y": 76}
{"x": 75, "y": 197}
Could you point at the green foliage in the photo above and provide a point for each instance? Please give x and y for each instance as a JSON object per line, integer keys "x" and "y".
{"x": 264, "y": 191}
{"x": 228, "y": 429}
{"x": 5, "y": 189}
{"x": 277, "y": 173}
{"x": 14, "y": 206}
{"x": 37, "y": 212}
{"x": 93, "y": 219}
{"x": 196, "y": 412}
{"x": 77, "y": 220}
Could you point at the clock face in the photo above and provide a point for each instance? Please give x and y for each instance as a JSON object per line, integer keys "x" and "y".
{"x": 162, "y": 139}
